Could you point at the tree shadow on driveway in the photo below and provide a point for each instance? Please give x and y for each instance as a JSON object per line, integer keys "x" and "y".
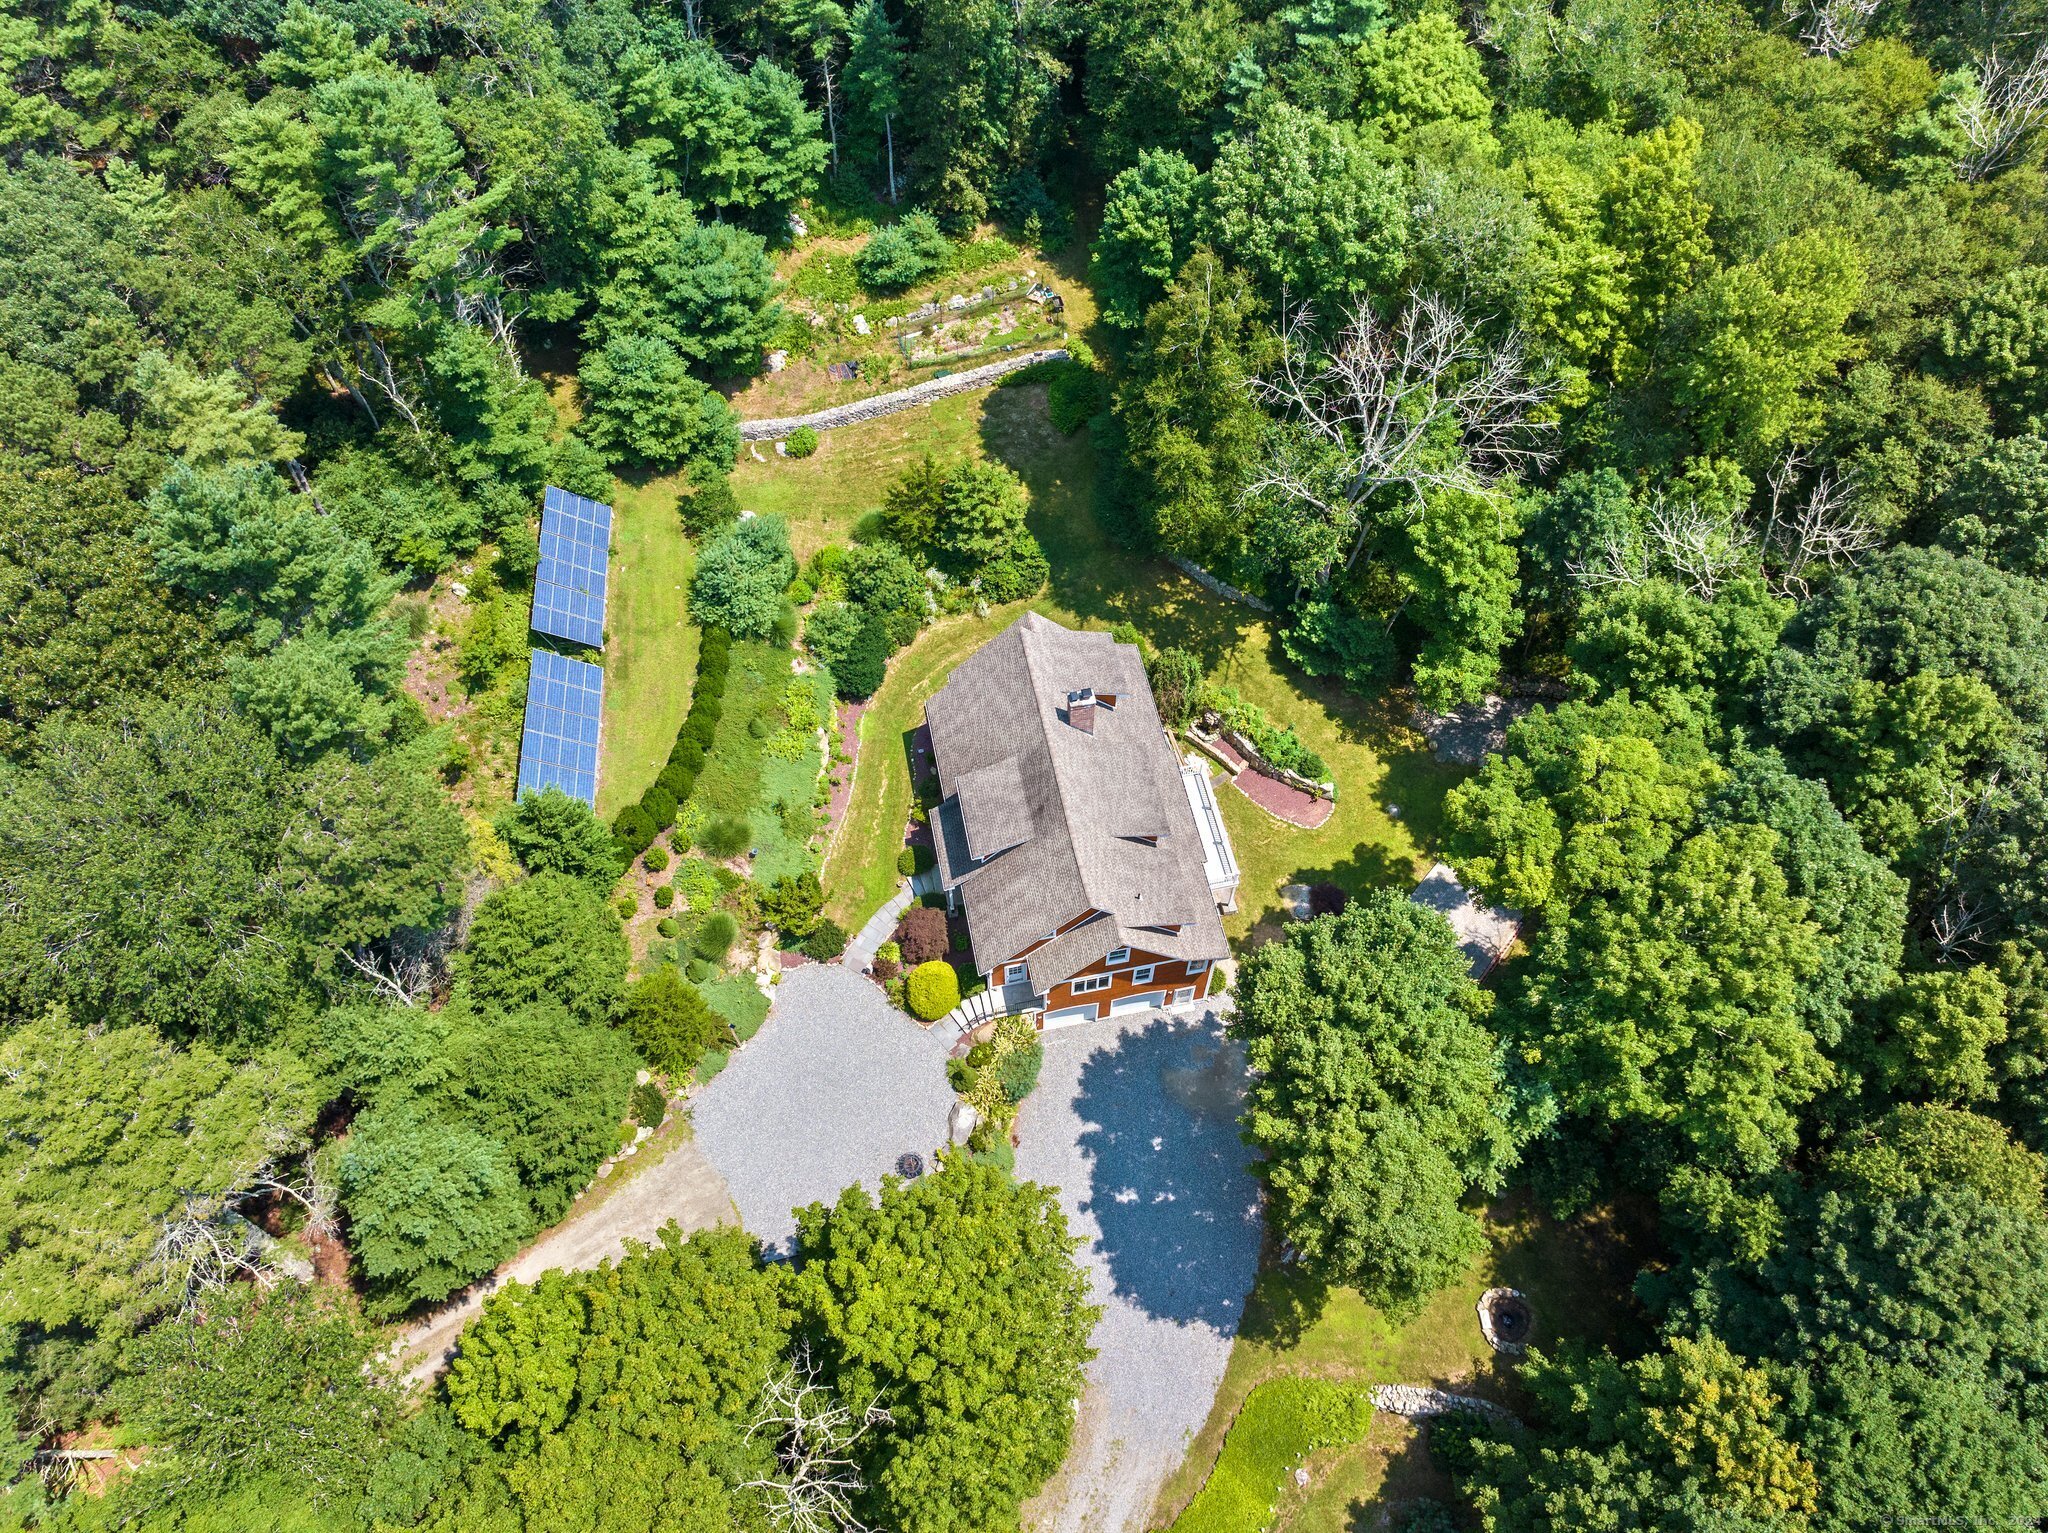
{"x": 1168, "y": 1186}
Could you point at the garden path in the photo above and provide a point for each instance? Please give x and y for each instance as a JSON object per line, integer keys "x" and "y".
{"x": 682, "y": 1185}
{"x": 1282, "y": 800}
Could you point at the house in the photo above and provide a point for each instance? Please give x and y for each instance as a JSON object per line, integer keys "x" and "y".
{"x": 1088, "y": 857}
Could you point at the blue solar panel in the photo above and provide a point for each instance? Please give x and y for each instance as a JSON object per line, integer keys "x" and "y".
{"x": 575, "y": 558}
{"x": 564, "y": 706}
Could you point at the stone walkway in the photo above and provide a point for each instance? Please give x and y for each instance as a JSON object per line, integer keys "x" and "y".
{"x": 1484, "y": 932}
{"x": 902, "y": 399}
{"x": 860, "y": 948}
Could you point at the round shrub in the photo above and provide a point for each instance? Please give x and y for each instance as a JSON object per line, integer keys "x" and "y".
{"x": 921, "y": 935}
{"x": 724, "y": 837}
{"x": 934, "y": 990}
{"x": 660, "y": 805}
{"x": 688, "y": 756}
{"x": 801, "y": 591}
{"x": 697, "y": 970}
{"x": 677, "y": 780}
{"x": 657, "y": 859}
{"x": 802, "y": 442}
{"x": 634, "y": 828}
{"x": 664, "y": 896}
{"x": 906, "y": 861}
{"x": 666, "y": 927}
{"x": 716, "y": 934}
{"x": 626, "y": 904}
{"x": 826, "y": 941}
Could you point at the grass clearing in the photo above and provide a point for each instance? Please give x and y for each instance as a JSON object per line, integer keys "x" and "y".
{"x": 762, "y": 769}
{"x": 650, "y": 643}
{"x": 739, "y": 1000}
{"x": 1374, "y": 757}
{"x": 1282, "y": 1421}
{"x": 1576, "y": 1274}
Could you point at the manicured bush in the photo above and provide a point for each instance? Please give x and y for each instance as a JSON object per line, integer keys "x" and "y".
{"x": 934, "y": 990}
{"x": 677, "y": 780}
{"x": 664, "y": 896}
{"x": 802, "y": 442}
{"x": 921, "y": 935}
{"x": 666, "y": 927}
{"x": 826, "y": 941}
{"x": 697, "y": 970}
{"x": 627, "y": 905}
{"x": 726, "y": 836}
{"x": 714, "y": 936}
{"x": 656, "y": 859}
{"x": 888, "y": 962}
{"x": 801, "y": 591}
{"x": 660, "y": 805}
{"x": 906, "y": 861}
{"x": 634, "y": 828}
{"x": 650, "y": 1105}
{"x": 1282, "y": 1422}
{"x": 961, "y": 1075}
{"x": 688, "y": 756}
{"x": 760, "y": 726}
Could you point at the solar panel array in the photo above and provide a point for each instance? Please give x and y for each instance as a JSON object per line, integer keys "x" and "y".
{"x": 564, "y": 703}
{"x": 575, "y": 557}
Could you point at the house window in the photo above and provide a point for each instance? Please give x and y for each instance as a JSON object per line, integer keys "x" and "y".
{"x": 1118, "y": 955}
{"x": 1014, "y": 973}
{"x": 1197, "y": 966}
{"x": 1142, "y": 976}
{"x": 1089, "y": 982}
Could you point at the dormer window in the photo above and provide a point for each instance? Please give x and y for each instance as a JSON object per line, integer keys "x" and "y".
{"x": 1118, "y": 955}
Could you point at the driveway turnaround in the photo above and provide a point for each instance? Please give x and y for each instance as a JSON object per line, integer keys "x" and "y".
{"x": 1135, "y": 1121}
{"x": 835, "y": 1087}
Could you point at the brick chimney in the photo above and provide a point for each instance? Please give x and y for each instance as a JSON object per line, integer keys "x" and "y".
{"x": 1081, "y": 710}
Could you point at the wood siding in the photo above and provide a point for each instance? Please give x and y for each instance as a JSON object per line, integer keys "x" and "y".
{"x": 1168, "y": 975}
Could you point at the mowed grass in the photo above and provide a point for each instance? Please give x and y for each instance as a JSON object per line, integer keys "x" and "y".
{"x": 1576, "y": 1274}
{"x": 1095, "y": 583}
{"x": 650, "y": 658}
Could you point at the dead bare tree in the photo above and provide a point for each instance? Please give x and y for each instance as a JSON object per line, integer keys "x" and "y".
{"x": 817, "y": 1479}
{"x": 1701, "y": 551}
{"x": 1379, "y": 409}
{"x": 2010, "y": 101}
{"x": 1813, "y": 525}
{"x": 407, "y": 967}
{"x": 1622, "y": 561}
{"x": 1831, "y": 28}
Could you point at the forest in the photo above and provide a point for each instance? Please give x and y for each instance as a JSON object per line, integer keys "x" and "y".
{"x": 1681, "y": 365}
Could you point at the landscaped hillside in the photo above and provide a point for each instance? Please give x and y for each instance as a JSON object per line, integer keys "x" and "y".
{"x": 1659, "y": 383}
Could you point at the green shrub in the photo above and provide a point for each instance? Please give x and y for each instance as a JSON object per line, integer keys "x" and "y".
{"x": 961, "y": 1075}
{"x": 802, "y": 442}
{"x": 660, "y": 805}
{"x": 906, "y": 861}
{"x": 697, "y": 970}
{"x": 903, "y": 253}
{"x": 1017, "y": 1071}
{"x": 626, "y": 905}
{"x": 666, "y": 927}
{"x": 650, "y": 1105}
{"x": 664, "y": 896}
{"x": 711, "y": 509}
{"x": 726, "y": 836}
{"x": 656, "y": 860}
{"x": 715, "y": 935}
{"x": 1217, "y": 983}
{"x": 801, "y": 591}
{"x": 1281, "y": 1422}
{"x": 934, "y": 990}
{"x": 826, "y": 941}
{"x": 634, "y": 828}
{"x": 760, "y": 726}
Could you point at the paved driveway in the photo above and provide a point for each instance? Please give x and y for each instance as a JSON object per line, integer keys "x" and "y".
{"x": 835, "y": 1086}
{"x": 1135, "y": 1121}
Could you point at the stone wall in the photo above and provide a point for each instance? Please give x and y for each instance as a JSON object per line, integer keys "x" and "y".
{"x": 903, "y": 399}
{"x": 1413, "y": 1401}
{"x": 1207, "y": 581}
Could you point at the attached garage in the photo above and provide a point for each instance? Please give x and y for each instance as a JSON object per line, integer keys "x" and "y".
{"x": 1067, "y": 1016}
{"x": 1145, "y": 1002}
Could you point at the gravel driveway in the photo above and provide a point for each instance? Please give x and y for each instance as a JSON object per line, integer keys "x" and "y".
{"x": 835, "y": 1086}
{"x": 1135, "y": 1121}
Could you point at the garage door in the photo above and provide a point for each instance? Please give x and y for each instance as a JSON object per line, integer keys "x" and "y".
{"x": 1143, "y": 1002}
{"x": 1067, "y": 1016}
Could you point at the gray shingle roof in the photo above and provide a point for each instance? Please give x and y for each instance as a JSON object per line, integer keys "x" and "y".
{"x": 1041, "y": 822}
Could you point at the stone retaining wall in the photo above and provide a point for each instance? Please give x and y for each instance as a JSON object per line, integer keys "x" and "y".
{"x": 903, "y": 399}
{"x": 1412, "y": 1401}
{"x": 1207, "y": 581}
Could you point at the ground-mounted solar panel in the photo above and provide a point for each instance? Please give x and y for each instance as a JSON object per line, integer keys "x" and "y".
{"x": 564, "y": 707}
{"x": 575, "y": 560}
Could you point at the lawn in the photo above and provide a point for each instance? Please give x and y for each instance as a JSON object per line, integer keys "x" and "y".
{"x": 650, "y": 655}
{"x": 1375, "y": 759}
{"x": 1576, "y": 1274}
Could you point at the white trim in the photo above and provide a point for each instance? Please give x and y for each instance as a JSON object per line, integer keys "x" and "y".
{"x": 1014, "y": 973}
{"x": 1118, "y": 955}
{"x": 1197, "y": 966}
{"x": 1088, "y": 984}
{"x": 1143, "y": 974}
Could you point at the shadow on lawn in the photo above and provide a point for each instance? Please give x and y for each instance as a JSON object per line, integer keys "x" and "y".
{"x": 1168, "y": 1185}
